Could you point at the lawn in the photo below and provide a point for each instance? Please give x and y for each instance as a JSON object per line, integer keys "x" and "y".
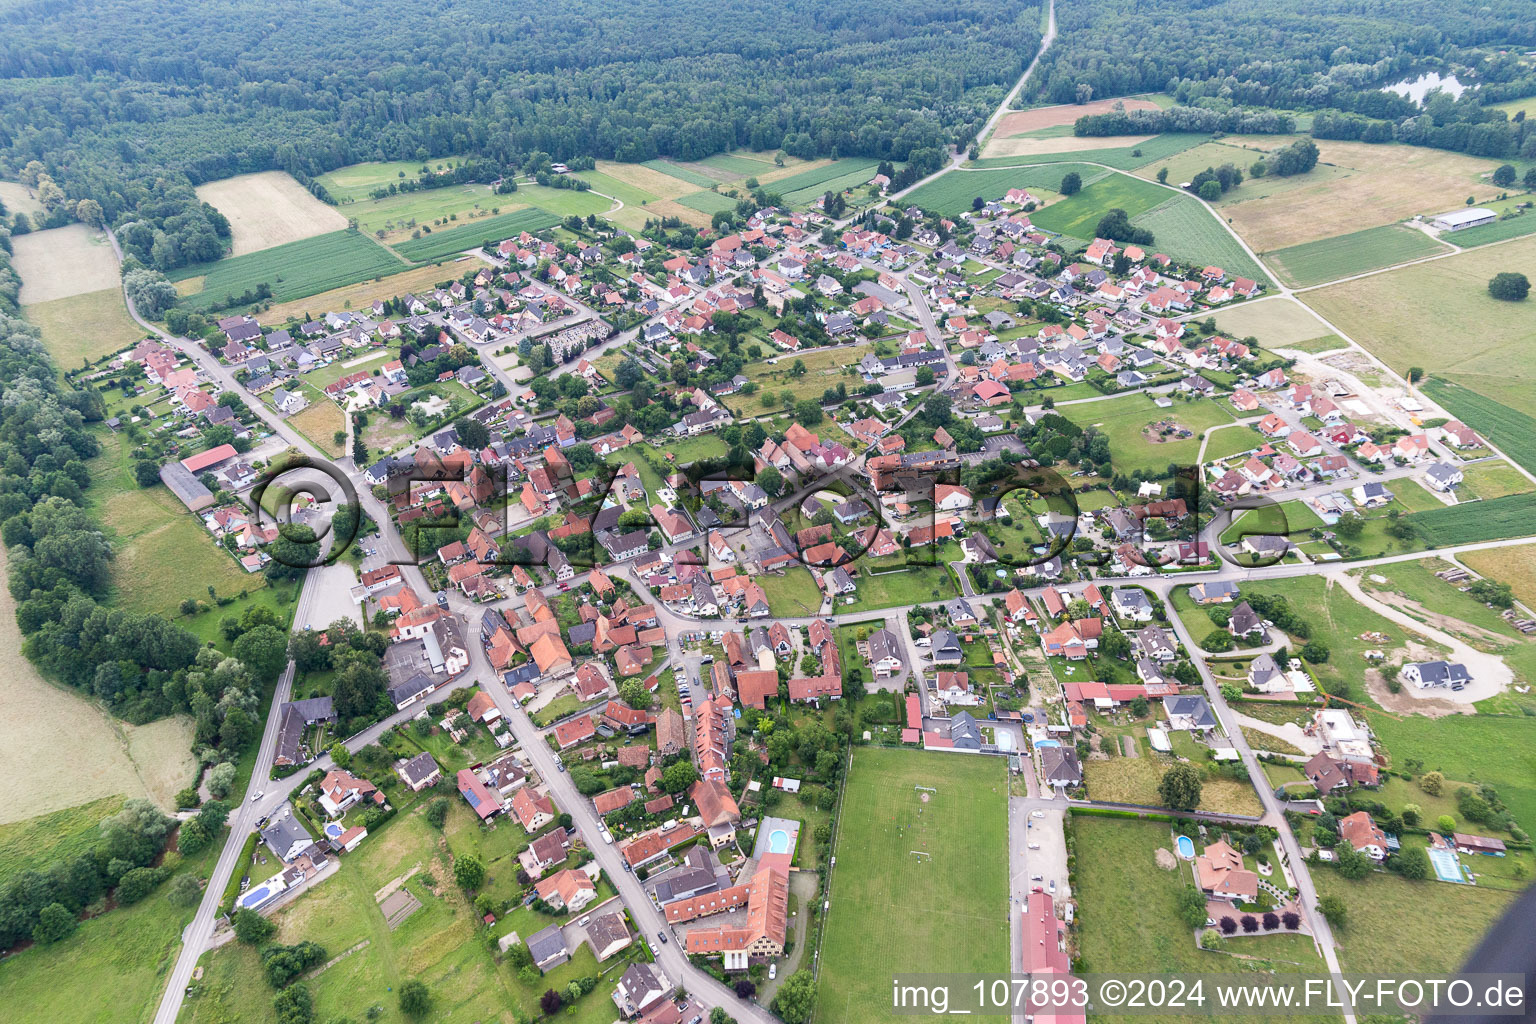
{"x": 693, "y": 449}
{"x": 1513, "y": 430}
{"x": 1186, "y": 229}
{"x": 808, "y": 853}
{"x": 893, "y": 589}
{"x": 1387, "y": 313}
{"x": 793, "y": 594}
{"x": 1231, "y": 441}
{"x": 293, "y": 271}
{"x": 116, "y": 963}
{"x": 895, "y": 905}
{"x": 1078, "y": 215}
{"x": 439, "y": 244}
{"x": 59, "y": 835}
{"x": 1382, "y": 905}
{"x": 1493, "y": 480}
{"x": 952, "y": 193}
{"x": 1127, "y": 911}
{"x": 1329, "y": 259}
{"x": 83, "y": 328}
{"x": 1123, "y": 419}
{"x": 824, "y": 368}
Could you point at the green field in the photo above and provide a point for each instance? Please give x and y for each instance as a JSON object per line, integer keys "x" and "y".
{"x": 61, "y": 835}
{"x": 1498, "y": 231}
{"x": 1122, "y": 419}
{"x": 1186, "y": 230}
{"x": 744, "y": 166}
{"x": 1383, "y": 904}
{"x": 680, "y": 173}
{"x": 470, "y": 236}
{"x": 294, "y": 270}
{"x": 1496, "y": 749}
{"x": 355, "y": 181}
{"x": 952, "y": 193}
{"x": 896, "y": 903}
{"x": 82, "y": 328}
{"x": 806, "y": 186}
{"x": 1513, "y": 515}
{"x": 708, "y": 202}
{"x": 1494, "y": 480}
{"x": 793, "y": 594}
{"x": 1329, "y": 259}
{"x": 1512, "y": 430}
{"x": 1123, "y": 158}
{"x": 399, "y": 213}
{"x": 1079, "y": 215}
{"x": 1232, "y": 441}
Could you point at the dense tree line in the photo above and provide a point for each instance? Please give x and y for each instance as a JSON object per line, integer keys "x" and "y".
{"x": 134, "y": 103}
{"x": 1313, "y": 55}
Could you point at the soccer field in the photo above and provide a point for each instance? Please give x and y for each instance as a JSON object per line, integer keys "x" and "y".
{"x": 921, "y": 885}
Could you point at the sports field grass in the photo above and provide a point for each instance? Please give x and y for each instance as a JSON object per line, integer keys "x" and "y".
{"x": 1122, "y": 420}
{"x": 1384, "y": 904}
{"x": 1498, "y": 231}
{"x": 268, "y": 208}
{"x": 1185, "y": 229}
{"x": 897, "y": 903}
{"x": 294, "y": 270}
{"x": 1329, "y": 259}
{"x": 795, "y": 593}
{"x": 952, "y": 193}
{"x": 1079, "y": 215}
{"x": 470, "y": 236}
{"x": 83, "y": 328}
{"x": 680, "y": 173}
{"x": 60, "y": 262}
{"x": 1512, "y": 430}
{"x": 1404, "y": 317}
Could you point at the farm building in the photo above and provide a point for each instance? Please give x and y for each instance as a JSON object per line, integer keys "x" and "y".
{"x": 1456, "y": 220}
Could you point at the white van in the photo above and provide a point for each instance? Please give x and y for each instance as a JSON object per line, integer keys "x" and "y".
{"x": 607, "y": 837}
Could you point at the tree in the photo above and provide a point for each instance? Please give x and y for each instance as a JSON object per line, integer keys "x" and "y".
{"x": 719, "y": 1016}
{"x": 54, "y": 922}
{"x": 1210, "y": 191}
{"x": 808, "y": 412}
{"x": 414, "y": 998}
{"x": 150, "y": 292}
{"x": 634, "y": 693}
{"x": 359, "y": 450}
{"x": 1412, "y": 862}
{"x": 1432, "y": 783}
{"x": 184, "y": 890}
{"x": 294, "y": 1005}
{"x": 795, "y": 998}
{"x": 1333, "y": 910}
{"x": 1291, "y": 920}
{"x": 1162, "y": 175}
{"x": 263, "y": 650}
{"x": 924, "y": 377}
{"x": 1351, "y": 863}
{"x": 251, "y": 928}
{"x": 1250, "y": 923}
{"x": 137, "y": 884}
{"x": 771, "y": 481}
{"x": 1349, "y": 526}
{"x": 1415, "y": 374}
{"x": 1412, "y": 815}
{"x": 469, "y": 872}
{"x": 1218, "y": 640}
{"x": 1071, "y": 183}
{"x": 294, "y": 552}
{"x": 1504, "y": 175}
{"x": 1228, "y": 925}
{"x": 1446, "y": 823}
{"x": 1180, "y": 787}
{"x": 1271, "y": 921}
{"x": 1192, "y": 906}
{"x": 146, "y": 473}
{"x": 221, "y": 779}
{"x": 1508, "y": 286}
{"x": 437, "y": 812}
{"x": 1315, "y": 651}
{"x": 678, "y": 776}
{"x": 1529, "y": 181}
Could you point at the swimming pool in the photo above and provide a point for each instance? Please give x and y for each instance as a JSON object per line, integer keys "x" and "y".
{"x": 256, "y": 897}
{"x": 1042, "y": 744}
{"x": 1447, "y": 866}
{"x": 1186, "y": 848}
{"x": 333, "y": 830}
{"x": 778, "y": 841}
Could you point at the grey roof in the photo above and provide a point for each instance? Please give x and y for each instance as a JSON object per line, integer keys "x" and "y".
{"x": 185, "y": 486}
{"x": 546, "y": 945}
{"x": 1262, "y": 670}
{"x": 1059, "y": 764}
{"x": 413, "y": 686}
{"x": 883, "y": 644}
{"x": 963, "y": 731}
{"x": 284, "y": 834}
{"x": 1443, "y": 672}
{"x": 1244, "y": 620}
{"x": 1191, "y": 706}
{"x": 945, "y": 641}
{"x": 418, "y": 768}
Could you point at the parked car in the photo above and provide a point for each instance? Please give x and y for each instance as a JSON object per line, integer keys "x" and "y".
{"x": 661, "y": 935}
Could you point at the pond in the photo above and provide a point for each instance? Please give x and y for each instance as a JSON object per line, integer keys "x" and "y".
{"x": 1416, "y": 89}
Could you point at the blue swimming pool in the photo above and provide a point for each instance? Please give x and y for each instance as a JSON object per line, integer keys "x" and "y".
{"x": 256, "y": 897}
{"x": 333, "y": 830}
{"x": 1186, "y": 848}
{"x": 1042, "y": 744}
{"x": 778, "y": 841}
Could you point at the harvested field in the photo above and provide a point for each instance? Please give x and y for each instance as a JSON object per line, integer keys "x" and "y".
{"x": 48, "y": 732}
{"x": 1035, "y": 145}
{"x": 1277, "y": 322}
{"x": 1403, "y": 317}
{"x": 269, "y": 208}
{"x": 1515, "y": 566}
{"x": 1018, "y": 122}
{"x": 319, "y": 422}
{"x": 1389, "y": 183}
{"x": 651, "y": 179}
{"x": 355, "y": 296}
{"x": 61, "y": 262}
{"x": 83, "y": 328}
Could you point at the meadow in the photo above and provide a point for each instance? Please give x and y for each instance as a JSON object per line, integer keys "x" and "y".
{"x": 451, "y": 241}
{"x": 1512, "y": 430}
{"x": 293, "y": 271}
{"x": 353, "y": 182}
{"x": 681, "y": 173}
{"x": 83, "y": 328}
{"x": 1358, "y": 252}
{"x": 1386, "y": 184}
{"x": 1186, "y": 230}
{"x": 61, "y": 262}
{"x": 1494, "y": 480}
{"x": 1122, "y": 420}
{"x": 1405, "y": 317}
{"x": 708, "y": 202}
{"x": 319, "y": 421}
{"x": 1277, "y": 322}
{"x": 951, "y": 194}
{"x": 392, "y": 218}
{"x": 57, "y": 835}
{"x": 824, "y": 368}
{"x": 1079, "y": 215}
{"x": 268, "y": 208}
{"x": 1124, "y": 153}
{"x": 794, "y": 593}
{"x": 1134, "y": 780}
{"x": 18, "y": 199}
{"x": 896, "y": 856}
{"x": 647, "y": 194}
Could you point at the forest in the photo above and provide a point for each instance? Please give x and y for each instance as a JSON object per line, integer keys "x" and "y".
{"x": 1302, "y": 55}
{"x": 128, "y": 102}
